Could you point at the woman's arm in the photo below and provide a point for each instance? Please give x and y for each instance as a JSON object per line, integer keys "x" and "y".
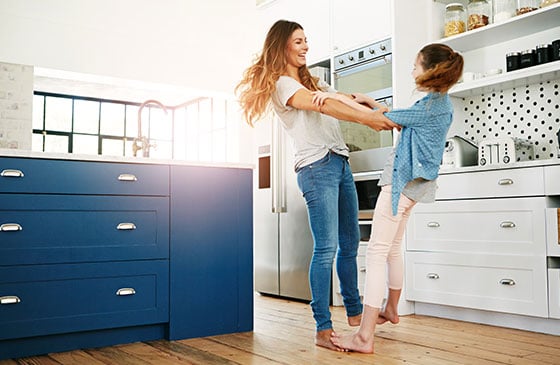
{"x": 303, "y": 99}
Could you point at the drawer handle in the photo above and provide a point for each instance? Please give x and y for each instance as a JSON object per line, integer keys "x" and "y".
{"x": 9, "y": 299}
{"x": 507, "y": 225}
{"x": 505, "y": 182}
{"x": 126, "y": 226}
{"x": 432, "y": 275}
{"x": 10, "y": 227}
{"x": 127, "y": 177}
{"x": 509, "y": 282}
{"x": 433, "y": 224}
{"x": 362, "y": 269}
{"x": 126, "y": 291}
{"x": 11, "y": 173}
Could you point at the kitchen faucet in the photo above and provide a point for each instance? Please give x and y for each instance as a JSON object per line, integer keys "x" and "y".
{"x": 142, "y": 142}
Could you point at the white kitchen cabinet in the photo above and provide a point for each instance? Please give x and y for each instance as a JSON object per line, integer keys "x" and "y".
{"x": 492, "y": 183}
{"x": 554, "y": 292}
{"x": 553, "y": 231}
{"x": 503, "y": 283}
{"x": 552, "y": 180}
{"x": 358, "y": 22}
{"x": 482, "y": 226}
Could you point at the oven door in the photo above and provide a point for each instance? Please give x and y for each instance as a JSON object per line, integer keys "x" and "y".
{"x": 373, "y": 78}
{"x": 368, "y": 192}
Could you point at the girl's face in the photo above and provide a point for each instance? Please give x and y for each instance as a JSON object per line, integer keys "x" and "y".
{"x": 296, "y": 49}
{"x": 417, "y": 70}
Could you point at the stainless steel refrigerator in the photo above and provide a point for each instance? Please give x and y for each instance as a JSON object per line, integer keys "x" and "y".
{"x": 282, "y": 237}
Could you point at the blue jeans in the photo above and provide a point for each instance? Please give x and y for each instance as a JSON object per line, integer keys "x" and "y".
{"x": 332, "y": 204}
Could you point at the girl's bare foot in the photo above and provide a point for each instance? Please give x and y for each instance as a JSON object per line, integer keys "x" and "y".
{"x": 354, "y": 342}
{"x": 355, "y": 320}
{"x": 388, "y": 314}
{"x": 323, "y": 339}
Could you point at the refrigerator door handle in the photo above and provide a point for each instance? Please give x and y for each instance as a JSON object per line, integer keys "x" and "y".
{"x": 278, "y": 176}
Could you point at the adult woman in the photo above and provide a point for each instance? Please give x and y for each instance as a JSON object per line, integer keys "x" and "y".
{"x": 280, "y": 75}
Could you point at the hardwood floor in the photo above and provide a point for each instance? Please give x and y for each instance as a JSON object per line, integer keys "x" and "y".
{"x": 284, "y": 333}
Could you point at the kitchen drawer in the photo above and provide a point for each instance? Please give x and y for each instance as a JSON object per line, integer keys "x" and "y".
{"x": 554, "y": 292}
{"x": 20, "y": 175}
{"x": 500, "y": 226}
{"x": 491, "y": 184}
{"x": 502, "y": 283}
{"x": 553, "y": 231}
{"x": 552, "y": 180}
{"x": 75, "y": 228}
{"x": 50, "y": 299}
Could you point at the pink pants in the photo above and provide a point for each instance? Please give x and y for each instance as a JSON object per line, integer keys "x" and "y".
{"x": 384, "y": 252}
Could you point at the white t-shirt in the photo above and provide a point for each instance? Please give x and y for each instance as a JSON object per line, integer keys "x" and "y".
{"x": 313, "y": 133}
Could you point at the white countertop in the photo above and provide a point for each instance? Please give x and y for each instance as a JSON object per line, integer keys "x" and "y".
{"x": 121, "y": 159}
{"x": 515, "y": 165}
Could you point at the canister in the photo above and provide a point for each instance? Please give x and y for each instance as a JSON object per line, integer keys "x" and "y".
{"x": 513, "y": 61}
{"x": 455, "y": 19}
{"x": 525, "y": 6}
{"x": 479, "y": 14}
{"x": 544, "y": 53}
{"x": 503, "y": 10}
{"x": 527, "y": 58}
{"x": 556, "y": 50}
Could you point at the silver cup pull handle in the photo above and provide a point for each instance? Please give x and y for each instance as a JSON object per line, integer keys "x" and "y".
{"x": 10, "y": 227}
{"x": 9, "y": 299}
{"x": 507, "y": 224}
{"x": 505, "y": 182}
{"x": 125, "y": 291}
{"x": 127, "y": 177}
{"x": 126, "y": 226}
{"x": 432, "y": 275}
{"x": 433, "y": 224}
{"x": 11, "y": 173}
{"x": 509, "y": 282}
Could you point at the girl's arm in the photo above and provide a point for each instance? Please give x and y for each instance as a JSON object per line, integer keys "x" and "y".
{"x": 319, "y": 98}
{"x": 303, "y": 99}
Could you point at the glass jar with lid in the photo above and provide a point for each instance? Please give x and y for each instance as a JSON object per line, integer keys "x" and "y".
{"x": 455, "y": 19}
{"x": 479, "y": 14}
{"x": 525, "y": 6}
{"x": 549, "y": 2}
{"x": 503, "y": 10}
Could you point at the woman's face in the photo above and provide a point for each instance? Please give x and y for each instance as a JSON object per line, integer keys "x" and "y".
{"x": 296, "y": 49}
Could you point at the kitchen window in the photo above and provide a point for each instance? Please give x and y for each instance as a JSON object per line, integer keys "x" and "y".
{"x": 205, "y": 129}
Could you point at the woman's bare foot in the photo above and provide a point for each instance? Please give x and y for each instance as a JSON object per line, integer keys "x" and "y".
{"x": 354, "y": 342}
{"x": 355, "y": 320}
{"x": 323, "y": 339}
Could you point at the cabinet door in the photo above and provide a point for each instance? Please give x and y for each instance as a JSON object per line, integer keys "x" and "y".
{"x": 358, "y": 22}
{"x": 211, "y": 261}
{"x": 501, "y": 226}
{"x": 22, "y": 175}
{"x": 502, "y": 283}
{"x": 40, "y": 300}
{"x": 47, "y": 228}
{"x": 552, "y": 180}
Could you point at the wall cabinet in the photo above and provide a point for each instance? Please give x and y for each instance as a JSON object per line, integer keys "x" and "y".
{"x": 99, "y": 253}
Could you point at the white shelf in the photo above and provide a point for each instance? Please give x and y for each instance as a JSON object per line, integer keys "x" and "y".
{"x": 535, "y": 21}
{"x": 508, "y": 80}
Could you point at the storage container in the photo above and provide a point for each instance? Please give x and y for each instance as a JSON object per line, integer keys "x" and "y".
{"x": 479, "y": 14}
{"x": 525, "y": 6}
{"x": 544, "y": 53}
{"x": 503, "y": 10}
{"x": 455, "y": 19}
{"x": 513, "y": 61}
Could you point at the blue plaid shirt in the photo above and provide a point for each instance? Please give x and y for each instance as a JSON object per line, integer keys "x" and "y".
{"x": 422, "y": 141}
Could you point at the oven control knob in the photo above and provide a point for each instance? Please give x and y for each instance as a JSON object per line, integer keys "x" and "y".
{"x": 351, "y": 58}
{"x": 372, "y": 51}
{"x": 341, "y": 61}
{"x": 382, "y": 47}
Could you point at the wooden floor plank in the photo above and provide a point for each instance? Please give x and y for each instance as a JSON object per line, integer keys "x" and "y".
{"x": 284, "y": 333}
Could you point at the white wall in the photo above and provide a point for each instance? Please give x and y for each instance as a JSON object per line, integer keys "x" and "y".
{"x": 198, "y": 44}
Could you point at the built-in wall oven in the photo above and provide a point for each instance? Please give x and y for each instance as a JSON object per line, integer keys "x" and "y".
{"x": 368, "y": 191}
{"x": 366, "y": 70}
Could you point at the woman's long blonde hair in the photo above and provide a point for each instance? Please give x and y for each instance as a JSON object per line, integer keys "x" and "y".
{"x": 259, "y": 80}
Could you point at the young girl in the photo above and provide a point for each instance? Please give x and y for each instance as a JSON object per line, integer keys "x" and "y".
{"x": 409, "y": 176}
{"x": 280, "y": 77}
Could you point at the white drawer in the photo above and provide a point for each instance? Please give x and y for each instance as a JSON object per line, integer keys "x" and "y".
{"x": 552, "y": 180}
{"x": 554, "y": 293}
{"x": 479, "y": 281}
{"x": 500, "y": 226}
{"x": 553, "y": 231}
{"x": 492, "y": 184}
